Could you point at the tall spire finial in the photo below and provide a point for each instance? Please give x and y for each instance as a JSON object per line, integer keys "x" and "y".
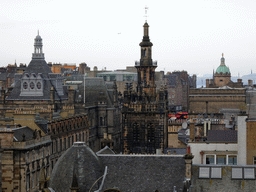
{"x": 222, "y": 54}
{"x": 146, "y": 13}
{"x": 38, "y": 32}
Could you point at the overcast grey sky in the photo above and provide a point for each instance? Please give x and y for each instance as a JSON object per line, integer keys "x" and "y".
{"x": 187, "y": 35}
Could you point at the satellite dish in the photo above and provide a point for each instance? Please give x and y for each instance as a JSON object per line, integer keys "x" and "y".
{"x": 184, "y": 125}
{"x": 205, "y": 115}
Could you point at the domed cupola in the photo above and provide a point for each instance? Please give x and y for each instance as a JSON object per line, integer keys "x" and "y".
{"x": 79, "y": 161}
{"x": 38, "y": 48}
{"x": 222, "y": 69}
{"x": 222, "y": 75}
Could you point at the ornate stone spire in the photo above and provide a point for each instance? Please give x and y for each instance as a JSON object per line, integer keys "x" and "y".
{"x": 222, "y": 60}
{"x": 38, "y": 48}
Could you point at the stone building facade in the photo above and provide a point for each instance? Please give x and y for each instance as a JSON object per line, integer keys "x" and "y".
{"x": 144, "y": 110}
{"x": 219, "y": 93}
{"x": 22, "y": 161}
{"x": 212, "y": 100}
{"x": 179, "y": 84}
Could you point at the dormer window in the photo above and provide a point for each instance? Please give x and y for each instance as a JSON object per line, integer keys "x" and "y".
{"x": 25, "y": 85}
{"x": 32, "y": 85}
{"x": 38, "y": 85}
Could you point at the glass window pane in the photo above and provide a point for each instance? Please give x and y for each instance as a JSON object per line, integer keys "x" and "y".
{"x": 249, "y": 173}
{"x": 237, "y": 173}
{"x": 232, "y": 160}
{"x": 209, "y": 159}
{"x": 221, "y": 160}
{"x": 216, "y": 173}
{"x": 204, "y": 172}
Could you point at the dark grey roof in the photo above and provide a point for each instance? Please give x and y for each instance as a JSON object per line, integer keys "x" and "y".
{"x": 42, "y": 125}
{"x": 96, "y": 91}
{"x": 78, "y": 160}
{"x": 19, "y": 132}
{"x": 222, "y": 136}
{"x": 132, "y": 173}
{"x": 37, "y": 66}
{"x": 3, "y": 76}
{"x": 178, "y": 151}
{"x": 105, "y": 150}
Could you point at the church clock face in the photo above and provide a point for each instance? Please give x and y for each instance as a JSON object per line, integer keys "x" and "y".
{"x": 25, "y": 85}
{"x": 32, "y": 85}
{"x": 38, "y": 85}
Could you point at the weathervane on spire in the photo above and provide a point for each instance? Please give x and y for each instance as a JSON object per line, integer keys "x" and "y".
{"x": 146, "y": 15}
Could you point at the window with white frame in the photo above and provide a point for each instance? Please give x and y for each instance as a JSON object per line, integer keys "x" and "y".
{"x": 221, "y": 160}
{"x": 210, "y": 159}
{"x": 254, "y": 160}
{"x": 232, "y": 160}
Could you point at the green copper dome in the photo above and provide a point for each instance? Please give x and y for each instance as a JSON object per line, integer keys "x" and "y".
{"x": 222, "y": 68}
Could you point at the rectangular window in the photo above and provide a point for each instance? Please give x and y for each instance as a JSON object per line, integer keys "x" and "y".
{"x": 254, "y": 160}
{"x": 221, "y": 160}
{"x": 204, "y": 172}
{"x": 249, "y": 173}
{"x": 237, "y": 173}
{"x": 60, "y": 144}
{"x": 232, "y": 160}
{"x": 209, "y": 159}
{"x": 216, "y": 173}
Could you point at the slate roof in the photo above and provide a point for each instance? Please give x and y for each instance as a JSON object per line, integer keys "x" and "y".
{"x": 19, "y": 131}
{"x": 37, "y": 66}
{"x": 133, "y": 173}
{"x": 128, "y": 173}
{"x": 105, "y": 150}
{"x": 178, "y": 151}
{"x": 222, "y": 136}
{"x": 96, "y": 91}
{"x": 3, "y": 76}
{"x": 78, "y": 160}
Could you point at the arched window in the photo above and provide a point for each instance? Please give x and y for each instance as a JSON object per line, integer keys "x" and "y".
{"x": 25, "y": 85}
{"x": 38, "y": 85}
{"x": 136, "y": 133}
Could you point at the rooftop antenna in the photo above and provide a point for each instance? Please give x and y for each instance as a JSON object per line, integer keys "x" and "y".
{"x": 38, "y": 32}
{"x": 146, "y": 13}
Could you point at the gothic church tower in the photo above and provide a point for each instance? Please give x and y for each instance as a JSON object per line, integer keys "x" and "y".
{"x": 144, "y": 111}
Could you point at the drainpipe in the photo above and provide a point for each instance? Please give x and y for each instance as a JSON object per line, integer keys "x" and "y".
{"x": 202, "y": 157}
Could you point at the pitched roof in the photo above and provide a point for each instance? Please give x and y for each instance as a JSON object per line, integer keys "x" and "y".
{"x": 37, "y": 66}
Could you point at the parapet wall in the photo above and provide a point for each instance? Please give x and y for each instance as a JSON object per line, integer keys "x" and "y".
{"x": 229, "y": 178}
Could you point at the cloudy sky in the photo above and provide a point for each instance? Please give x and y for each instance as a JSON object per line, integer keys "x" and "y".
{"x": 187, "y": 35}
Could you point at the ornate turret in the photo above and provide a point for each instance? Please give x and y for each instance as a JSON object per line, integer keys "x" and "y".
{"x": 144, "y": 111}
{"x": 38, "y": 48}
{"x": 146, "y": 67}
